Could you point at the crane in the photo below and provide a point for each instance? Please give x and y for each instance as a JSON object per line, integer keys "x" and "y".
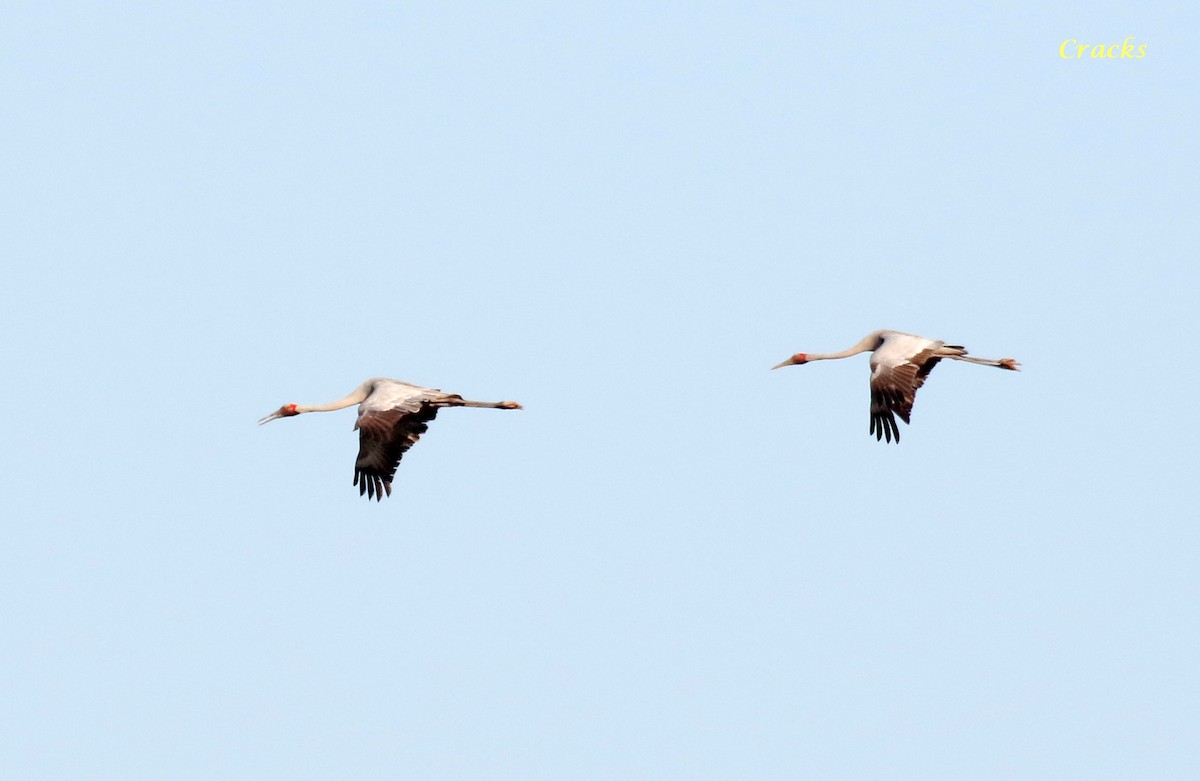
{"x": 392, "y": 416}
{"x": 900, "y": 363}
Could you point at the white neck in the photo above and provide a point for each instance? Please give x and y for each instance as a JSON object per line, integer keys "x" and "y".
{"x": 356, "y": 397}
{"x": 869, "y": 342}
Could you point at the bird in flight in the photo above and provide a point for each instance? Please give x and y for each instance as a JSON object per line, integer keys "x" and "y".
{"x": 900, "y": 363}
{"x": 392, "y": 416}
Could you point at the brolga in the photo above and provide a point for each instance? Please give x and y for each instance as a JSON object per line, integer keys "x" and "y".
{"x": 392, "y": 416}
{"x": 900, "y": 363}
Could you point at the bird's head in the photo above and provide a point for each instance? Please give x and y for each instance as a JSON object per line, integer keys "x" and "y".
{"x": 796, "y": 360}
{"x": 286, "y": 411}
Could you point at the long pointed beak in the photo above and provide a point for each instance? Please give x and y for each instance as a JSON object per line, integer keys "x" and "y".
{"x": 788, "y": 362}
{"x": 269, "y": 418}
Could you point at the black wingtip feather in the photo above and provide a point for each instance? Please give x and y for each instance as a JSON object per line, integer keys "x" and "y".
{"x": 383, "y": 440}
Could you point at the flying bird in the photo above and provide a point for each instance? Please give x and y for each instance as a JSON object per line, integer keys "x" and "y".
{"x": 900, "y": 363}
{"x": 392, "y": 416}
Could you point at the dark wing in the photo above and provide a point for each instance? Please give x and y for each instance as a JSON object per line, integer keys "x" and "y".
{"x": 384, "y": 436}
{"x": 893, "y": 391}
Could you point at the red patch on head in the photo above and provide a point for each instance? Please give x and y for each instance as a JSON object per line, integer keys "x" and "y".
{"x": 800, "y": 357}
{"x": 290, "y": 409}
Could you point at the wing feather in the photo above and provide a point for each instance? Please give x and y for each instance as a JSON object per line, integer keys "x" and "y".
{"x": 894, "y": 390}
{"x": 383, "y": 439}
{"x": 390, "y": 421}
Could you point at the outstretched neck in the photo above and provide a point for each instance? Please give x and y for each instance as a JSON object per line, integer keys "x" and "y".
{"x": 869, "y": 342}
{"x": 356, "y": 397}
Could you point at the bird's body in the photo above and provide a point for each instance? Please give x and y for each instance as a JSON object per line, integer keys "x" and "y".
{"x": 392, "y": 416}
{"x": 900, "y": 363}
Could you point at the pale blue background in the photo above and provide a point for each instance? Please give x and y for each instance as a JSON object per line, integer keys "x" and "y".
{"x": 674, "y": 563}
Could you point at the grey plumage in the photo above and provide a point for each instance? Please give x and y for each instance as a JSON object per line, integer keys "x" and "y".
{"x": 392, "y": 416}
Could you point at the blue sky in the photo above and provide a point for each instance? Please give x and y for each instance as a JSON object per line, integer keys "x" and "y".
{"x": 674, "y": 563}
